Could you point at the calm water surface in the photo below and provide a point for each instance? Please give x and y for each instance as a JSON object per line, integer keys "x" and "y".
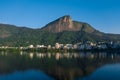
{"x": 59, "y": 66}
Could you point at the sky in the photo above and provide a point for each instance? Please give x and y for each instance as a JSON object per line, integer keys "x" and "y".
{"x": 103, "y": 15}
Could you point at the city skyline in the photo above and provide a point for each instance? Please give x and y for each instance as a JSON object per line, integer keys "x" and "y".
{"x": 103, "y": 15}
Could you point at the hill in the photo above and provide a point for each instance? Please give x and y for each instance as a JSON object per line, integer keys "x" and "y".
{"x": 63, "y": 30}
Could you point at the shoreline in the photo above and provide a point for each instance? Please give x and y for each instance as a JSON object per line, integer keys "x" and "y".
{"x": 59, "y": 50}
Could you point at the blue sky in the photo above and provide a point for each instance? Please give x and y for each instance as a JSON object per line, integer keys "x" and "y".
{"x": 104, "y": 15}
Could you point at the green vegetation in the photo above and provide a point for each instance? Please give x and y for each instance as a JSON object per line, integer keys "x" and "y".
{"x": 11, "y": 35}
{"x": 25, "y": 36}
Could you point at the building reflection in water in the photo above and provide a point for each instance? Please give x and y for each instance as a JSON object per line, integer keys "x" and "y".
{"x": 31, "y": 55}
{"x": 49, "y": 55}
{"x": 21, "y": 53}
{"x": 58, "y": 56}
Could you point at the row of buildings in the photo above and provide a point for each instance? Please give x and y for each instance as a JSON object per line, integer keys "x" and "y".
{"x": 81, "y": 46}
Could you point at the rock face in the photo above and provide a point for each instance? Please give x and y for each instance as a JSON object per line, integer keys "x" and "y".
{"x": 65, "y": 23}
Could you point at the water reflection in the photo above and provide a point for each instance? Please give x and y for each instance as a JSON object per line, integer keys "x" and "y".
{"x": 60, "y": 66}
{"x": 26, "y": 75}
{"x": 107, "y": 72}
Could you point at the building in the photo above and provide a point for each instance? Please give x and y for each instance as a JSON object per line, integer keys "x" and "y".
{"x": 49, "y": 47}
{"x": 57, "y": 46}
{"x": 40, "y": 46}
{"x": 31, "y": 46}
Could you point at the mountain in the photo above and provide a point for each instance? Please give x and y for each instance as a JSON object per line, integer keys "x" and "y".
{"x": 82, "y": 31}
{"x": 63, "y": 30}
{"x": 65, "y": 23}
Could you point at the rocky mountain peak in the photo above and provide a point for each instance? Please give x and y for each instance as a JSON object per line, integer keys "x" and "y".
{"x": 66, "y": 23}
{"x": 66, "y": 18}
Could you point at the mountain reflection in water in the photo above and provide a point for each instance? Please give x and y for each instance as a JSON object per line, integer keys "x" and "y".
{"x": 107, "y": 72}
{"x": 60, "y": 66}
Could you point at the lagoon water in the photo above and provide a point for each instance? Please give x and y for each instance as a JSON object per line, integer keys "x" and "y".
{"x": 59, "y": 66}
